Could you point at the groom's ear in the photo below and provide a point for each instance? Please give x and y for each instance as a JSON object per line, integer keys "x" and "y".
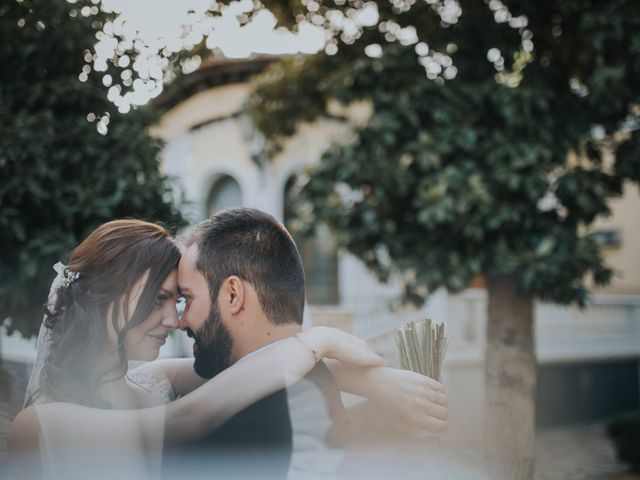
{"x": 233, "y": 294}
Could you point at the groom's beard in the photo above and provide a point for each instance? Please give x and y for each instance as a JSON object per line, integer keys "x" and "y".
{"x": 213, "y": 345}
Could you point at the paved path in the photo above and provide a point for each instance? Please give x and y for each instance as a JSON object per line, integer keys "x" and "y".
{"x": 578, "y": 453}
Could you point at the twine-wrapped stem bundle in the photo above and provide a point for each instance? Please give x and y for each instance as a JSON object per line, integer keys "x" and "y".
{"x": 422, "y": 346}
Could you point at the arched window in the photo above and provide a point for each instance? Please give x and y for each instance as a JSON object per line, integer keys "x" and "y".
{"x": 319, "y": 254}
{"x": 225, "y": 192}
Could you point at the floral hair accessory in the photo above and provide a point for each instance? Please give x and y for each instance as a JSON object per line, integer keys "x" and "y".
{"x": 65, "y": 276}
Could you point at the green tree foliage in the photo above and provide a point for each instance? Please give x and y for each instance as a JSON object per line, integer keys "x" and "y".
{"x": 497, "y": 171}
{"x": 493, "y": 145}
{"x": 60, "y": 177}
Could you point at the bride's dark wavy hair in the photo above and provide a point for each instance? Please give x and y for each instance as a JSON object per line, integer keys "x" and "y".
{"x": 109, "y": 261}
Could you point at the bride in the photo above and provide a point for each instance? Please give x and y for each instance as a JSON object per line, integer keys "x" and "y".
{"x": 115, "y": 302}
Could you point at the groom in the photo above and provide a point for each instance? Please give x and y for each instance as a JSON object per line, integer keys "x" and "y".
{"x": 243, "y": 282}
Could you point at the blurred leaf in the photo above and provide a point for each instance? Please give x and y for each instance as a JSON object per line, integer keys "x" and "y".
{"x": 60, "y": 177}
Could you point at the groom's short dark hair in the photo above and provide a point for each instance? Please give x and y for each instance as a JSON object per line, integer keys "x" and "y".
{"x": 257, "y": 248}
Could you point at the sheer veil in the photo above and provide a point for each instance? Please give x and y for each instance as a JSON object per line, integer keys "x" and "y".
{"x": 34, "y": 393}
{"x": 137, "y": 451}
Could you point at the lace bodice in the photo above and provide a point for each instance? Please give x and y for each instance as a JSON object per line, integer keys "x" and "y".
{"x": 153, "y": 385}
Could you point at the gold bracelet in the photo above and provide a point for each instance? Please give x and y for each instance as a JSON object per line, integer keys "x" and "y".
{"x": 315, "y": 354}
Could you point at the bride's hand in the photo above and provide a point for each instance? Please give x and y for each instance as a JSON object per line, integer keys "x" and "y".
{"x": 335, "y": 344}
{"x": 419, "y": 401}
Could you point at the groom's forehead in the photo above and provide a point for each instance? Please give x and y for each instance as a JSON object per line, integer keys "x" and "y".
{"x": 189, "y": 259}
{"x": 189, "y": 277}
{"x": 187, "y": 268}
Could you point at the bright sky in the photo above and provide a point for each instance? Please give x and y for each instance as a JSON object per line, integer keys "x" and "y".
{"x": 179, "y": 24}
{"x": 146, "y": 33}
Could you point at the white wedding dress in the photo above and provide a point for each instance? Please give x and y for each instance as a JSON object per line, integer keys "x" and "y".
{"x": 136, "y": 455}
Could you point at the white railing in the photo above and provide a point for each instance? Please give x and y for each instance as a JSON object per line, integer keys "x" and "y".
{"x": 609, "y": 327}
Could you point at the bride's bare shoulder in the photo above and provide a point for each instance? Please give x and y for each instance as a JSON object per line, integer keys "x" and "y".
{"x": 24, "y": 431}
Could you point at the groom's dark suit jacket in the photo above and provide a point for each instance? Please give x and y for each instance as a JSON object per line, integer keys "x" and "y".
{"x": 258, "y": 442}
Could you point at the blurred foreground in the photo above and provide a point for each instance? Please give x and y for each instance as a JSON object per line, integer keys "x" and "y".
{"x": 380, "y": 450}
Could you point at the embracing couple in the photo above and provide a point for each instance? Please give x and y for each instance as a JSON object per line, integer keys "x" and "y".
{"x": 88, "y": 414}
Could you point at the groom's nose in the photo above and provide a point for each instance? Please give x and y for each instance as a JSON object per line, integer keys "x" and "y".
{"x": 182, "y": 324}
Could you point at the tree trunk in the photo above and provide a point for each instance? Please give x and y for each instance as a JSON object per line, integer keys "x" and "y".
{"x": 510, "y": 380}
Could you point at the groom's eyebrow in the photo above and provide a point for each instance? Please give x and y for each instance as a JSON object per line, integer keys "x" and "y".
{"x": 183, "y": 290}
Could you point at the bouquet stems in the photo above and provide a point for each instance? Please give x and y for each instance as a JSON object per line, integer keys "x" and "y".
{"x": 422, "y": 346}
